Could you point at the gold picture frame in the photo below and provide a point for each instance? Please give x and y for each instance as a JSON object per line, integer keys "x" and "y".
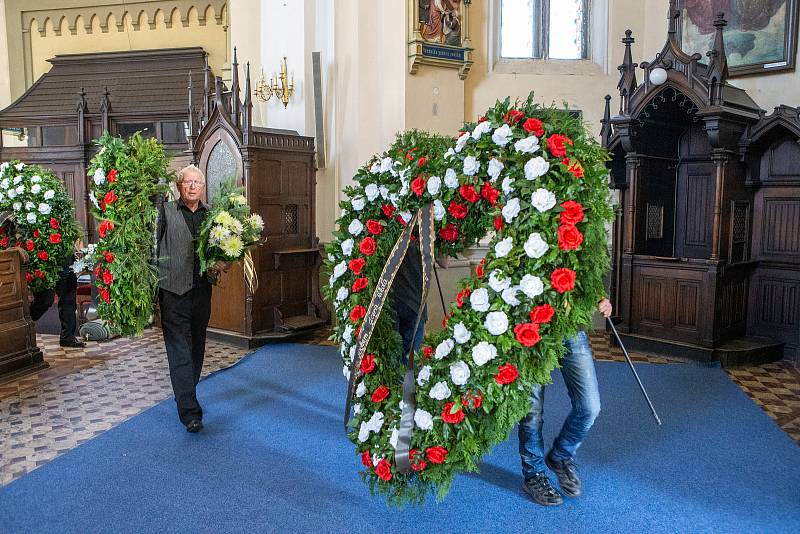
{"x": 439, "y": 35}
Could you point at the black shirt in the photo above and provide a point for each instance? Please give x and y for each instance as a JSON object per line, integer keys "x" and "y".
{"x": 194, "y": 219}
{"x": 407, "y": 286}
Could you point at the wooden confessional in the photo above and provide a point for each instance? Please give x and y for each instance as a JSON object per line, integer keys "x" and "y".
{"x": 706, "y": 245}
{"x": 277, "y": 170}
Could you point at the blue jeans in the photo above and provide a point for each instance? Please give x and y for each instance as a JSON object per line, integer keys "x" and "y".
{"x": 577, "y": 368}
{"x": 406, "y": 319}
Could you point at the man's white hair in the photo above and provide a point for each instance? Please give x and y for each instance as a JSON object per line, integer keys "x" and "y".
{"x": 190, "y": 169}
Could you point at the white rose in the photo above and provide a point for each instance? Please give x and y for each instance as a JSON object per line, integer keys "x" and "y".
{"x": 423, "y": 420}
{"x": 502, "y": 248}
{"x": 404, "y": 189}
{"x": 459, "y": 373}
{"x": 434, "y": 184}
{"x": 357, "y": 408}
{"x": 358, "y": 203}
{"x": 480, "y": 129}
{"x": 386, "y": 164}
{"x": 2, "y": 197}
{"x": 29, "y": 205}
{"x": 507, "y": 185}
{"x": 471, "y": 166}
{"x": 406, "y": 216}
{"x": 451, "y": 179}
{"x": 510, "y": 296}
{"x": 462, "y": 141}
{"x": 511, "y": 210}
{"x": 342, "y": 294}
{"x": 496, "y": 323}
{"x": 498, "y": 281}
{"x": 355, "y": 227}
{"x": 531, "y": 285}
{"x": 371, "y": 191}
{"x": 479, "y": 300}
{"x": 347, "y": 247}
{"x": 20, "y": 189}
{"x": 31, "y": 218}
{"x": 543, "y": 200}
{"x": 35, "y": 188}
{"x": 450, "y": 153}
{"x": 19, "y": 166}
{"x": 361, "y": 389}
{"x": 4, "y": 166}
{"x": 440, "y": 391}
{"x": 495, "y": 168}
{"x": 535, "y": 246}
{"x": 363, "y": 432}
{"x": 395, "y": 435}
{"x": 384, "y": 191}
{"x": 347, "y": 335}
{"x": 375, "y": 422}
{"x": 4, "y": 183}
{"x": 438, "y": 210}
{"x": 527, "y": 145}
{"x": 17, "y": 206}
{"x": 339, "y": 270}
{"x": 536, "y": 167}
{"x": 17, "y": 179}
{"x": 394, "y": 198}
{"x": 502, "y": 135}
{"x": 424, "y": 375}
{"x": 35, "y": 179}
{"x": 99, "y": 177}
{"x": 444, "y": 348}
{"x": 376, "y": 167}
{"x": 12, "y": 193}
{"x": 44, "y": 208}
{"x": 93, "y": 199}
{"x": 483, "y": 352}
{"x": 461, "y": 334}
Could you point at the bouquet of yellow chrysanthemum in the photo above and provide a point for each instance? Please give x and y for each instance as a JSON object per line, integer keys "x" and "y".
{"x": 228, "y": 231}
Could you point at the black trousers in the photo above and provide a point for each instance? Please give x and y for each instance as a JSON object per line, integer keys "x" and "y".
{"x": 66, "y": 289}
{"x": 184, "y": 321}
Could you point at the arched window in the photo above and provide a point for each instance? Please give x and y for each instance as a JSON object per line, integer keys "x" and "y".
{"x": 544, "y": 29}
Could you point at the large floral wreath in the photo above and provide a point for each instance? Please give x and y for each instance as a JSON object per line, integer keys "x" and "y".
{"x": 538, "y": 179}
{"x": 42, "y": 221}
{"x": 125, "y": 177}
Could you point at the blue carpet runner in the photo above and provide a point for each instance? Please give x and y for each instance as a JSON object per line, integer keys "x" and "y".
{"x": 273, "y": 458}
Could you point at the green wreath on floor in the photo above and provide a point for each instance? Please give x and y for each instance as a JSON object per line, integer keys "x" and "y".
{"x": 537, "y": 178}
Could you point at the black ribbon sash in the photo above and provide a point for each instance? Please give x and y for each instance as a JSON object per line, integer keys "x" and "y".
{"x": 424, "y": 217}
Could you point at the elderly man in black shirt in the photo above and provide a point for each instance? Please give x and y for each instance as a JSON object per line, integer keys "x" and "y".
{"x": 185, "y": 292}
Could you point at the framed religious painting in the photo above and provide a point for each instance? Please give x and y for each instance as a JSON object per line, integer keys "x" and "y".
{"x": 438, "y": 35}
{"x": 761, "y": 35}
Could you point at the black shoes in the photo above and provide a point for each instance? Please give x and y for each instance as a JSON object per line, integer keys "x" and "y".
{"x": 567, "y": 476}
{"x": 72, "y": 343}
{"x": 194, "y": 426}
{"x": 540, "y": 490}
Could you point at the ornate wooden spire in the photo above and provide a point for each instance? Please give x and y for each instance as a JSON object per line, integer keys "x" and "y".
{"x": 674, "y": 16}
{"x": 236, "y": 103}
{"x": 627, "y": 83}
{"x": 191, "y": 113}
{"x": 105, "y": 109}
{"x": 80, "y": 106}
{"x": 247, "y": 112}
{"x": 605, "y": 131}
{"x": 206, "y": 90}
{"x": 718, "y": 60}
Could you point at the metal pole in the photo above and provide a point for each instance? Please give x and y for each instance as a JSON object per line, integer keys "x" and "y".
{"x": 635, "y": 374}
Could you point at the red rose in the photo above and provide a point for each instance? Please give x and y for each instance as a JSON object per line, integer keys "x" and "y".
{"x": 36, "y": 234}
{"x": 419, "y": 465}
{"x": 387, "y": 210}
{"x": 482, "y": 119}
{"x": 459, "y": 211}
{"x": 97, "y": 270}
{"x": 356, "y": 265}
{"x": 454, "y": 417}
{"x": 513, "y": 116}
{"x": 461, "y": 296}
{"x": 400, "y": 220}
{"x": 471, "y": 399}
{"x": 534, "y": 126}
{"x": 28, "y": 277}
{"x": 105, "y": 295}
{"x": 427, "y": 352}
{"x": 542, "y": 314}
{"x": 384, "y": 470}
{"x": 358, "y": 331}
{"x": 357, "y": 313}
{"x": 43, "y": 255}
{"x": 468, "y": 193}
{"x": 569, "y": 237}
{"x": 418, "y": 185}
{"x": 557, "y": 144}
{"x": 380, "y": 393}
{"x": 421, "y": 161}
{"x": 506, "y": 374}
{"x": 105, "y": 227}
{"x": 29, "y": 245}
{"x": 53, "y": 223}
{"x": 449, "y": 233}
{"x": 565, "y": 161}
{"x": 374, "y": 227}
{"x": 572, "y": 214}
{"x": 576, "y": 169}
{"x": 38, "y": 274}
{"x": 107, "y": 277}
{"x": 367, "y": 364}
{"x": 110, "y": 197}
{"x": 112, "y": 176}
{"x": 436, "y": 455}
{"x": 479, "y": 269}
{"x": 109, "y": 257}
{"x": 498, "y": 222}
{"x": 367, "y": 246}
{"x": 489, "y": 193}
{"x": 563, "y": 280}
{"x": 410, "y": 153}
{"x": 527, "y": 334}
{"x": 365, "y": 459}
{"x": 55, "y": 238}
{"x": 4, "y": 242}
{"x": 360, "y": 284}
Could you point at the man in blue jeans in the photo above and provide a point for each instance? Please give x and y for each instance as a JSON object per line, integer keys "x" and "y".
{"x": 577, "y": 368}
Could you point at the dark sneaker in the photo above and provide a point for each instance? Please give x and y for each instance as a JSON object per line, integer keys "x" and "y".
{"x": 540, "y": 490}
{"x": 567, "y": 475}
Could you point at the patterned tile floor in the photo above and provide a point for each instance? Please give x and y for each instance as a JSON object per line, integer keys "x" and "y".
{"x": 87, "y": 391}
